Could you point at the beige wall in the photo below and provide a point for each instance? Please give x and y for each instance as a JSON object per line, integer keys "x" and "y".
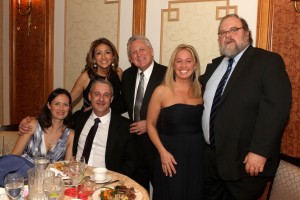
{"x": 192, "y": 22}
{"x": 86, "y": 21}
{"x": 87, "y": 26}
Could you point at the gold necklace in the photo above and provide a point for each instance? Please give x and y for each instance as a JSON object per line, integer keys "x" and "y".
{"x": 52, "y": 145}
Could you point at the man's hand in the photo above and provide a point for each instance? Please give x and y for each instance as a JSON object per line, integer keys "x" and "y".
{"x": 138, "y": 128}
{"x": 24, "y": 126}
{"x": 254, "y": 164}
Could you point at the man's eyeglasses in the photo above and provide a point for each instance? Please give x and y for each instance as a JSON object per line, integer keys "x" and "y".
{"x": 233, "y": 31}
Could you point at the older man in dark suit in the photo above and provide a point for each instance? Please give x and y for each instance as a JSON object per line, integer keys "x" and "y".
{"x": 137, "y": 86}
{"x": 247, "y": 102}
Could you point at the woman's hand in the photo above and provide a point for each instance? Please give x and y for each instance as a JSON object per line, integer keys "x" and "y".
{"x": 167, "y": 163}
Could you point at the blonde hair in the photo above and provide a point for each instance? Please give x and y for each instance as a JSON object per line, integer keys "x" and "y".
{"x": 170, "y": 76}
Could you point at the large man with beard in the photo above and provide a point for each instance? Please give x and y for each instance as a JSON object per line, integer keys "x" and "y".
{"x": 244, "y": 114}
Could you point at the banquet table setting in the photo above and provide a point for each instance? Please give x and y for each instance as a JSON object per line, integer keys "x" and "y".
{"x": 140, "y": 192}
{"x": 70, "y": 181}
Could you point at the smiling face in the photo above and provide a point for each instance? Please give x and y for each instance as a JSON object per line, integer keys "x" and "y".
{"x": 103, "y": 56}
{"x": 184, "y": 64}
{"x": 233, "y": 42}
{"x": 140, "y": 54}
{"x": 59, "y": 107}
{"x": 101, "y": 97}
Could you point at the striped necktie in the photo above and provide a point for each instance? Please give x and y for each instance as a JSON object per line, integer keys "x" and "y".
{"x": 216, "y": 102}
{"x": 139, "y": 98}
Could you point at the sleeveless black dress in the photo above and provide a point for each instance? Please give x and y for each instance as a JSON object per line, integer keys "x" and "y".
{"x": 181, "y": 134}
{"x": 113, "y": 79}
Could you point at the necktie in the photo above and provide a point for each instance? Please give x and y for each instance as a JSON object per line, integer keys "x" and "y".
{"x": 139, "y": 98}
{"x": 216, "y": 103}
{"x": 89, "y": 140}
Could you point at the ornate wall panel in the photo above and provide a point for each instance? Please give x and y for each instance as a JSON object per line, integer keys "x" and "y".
{"x": 285, "y": 40}
{"x": 31, "y": 60}
{"x": 85, "y": 22}
{"x": 193, "y": 22}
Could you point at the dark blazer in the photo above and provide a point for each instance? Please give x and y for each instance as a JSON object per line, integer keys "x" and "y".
{"x": 121, "y": 153}
{"x": 253, "y": 112}
{"x": 146, "y": 148}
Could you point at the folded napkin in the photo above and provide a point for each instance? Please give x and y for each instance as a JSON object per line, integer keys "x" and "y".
{"x": 13, "y": 163}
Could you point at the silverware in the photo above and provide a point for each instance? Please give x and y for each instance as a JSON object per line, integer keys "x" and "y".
{"x": 108, "y": 183}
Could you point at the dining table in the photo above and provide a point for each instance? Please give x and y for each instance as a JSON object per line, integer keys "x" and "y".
{"x": 121, "y": 180}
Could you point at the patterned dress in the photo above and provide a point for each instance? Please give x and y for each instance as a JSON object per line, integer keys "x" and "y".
{"x": 36, "y": 146}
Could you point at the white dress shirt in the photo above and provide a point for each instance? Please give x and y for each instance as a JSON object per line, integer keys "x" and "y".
{"x": 147, "y": 74}
{"x": 210, "y": 90}
{"x": 97, "y": 155}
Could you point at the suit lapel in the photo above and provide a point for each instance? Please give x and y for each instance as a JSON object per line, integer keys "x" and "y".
{"x": 152, "y": 84}
{"x": 132, "y": 89}
{"x": 112, "y": 135}
{"x": 241, "y": 66}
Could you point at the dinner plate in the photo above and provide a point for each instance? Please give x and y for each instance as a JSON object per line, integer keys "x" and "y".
{"x": 108, "y": 178}
{"x": 95, "y": 196}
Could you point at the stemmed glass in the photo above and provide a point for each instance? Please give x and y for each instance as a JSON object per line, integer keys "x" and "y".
{"x": 76, "y": 169}
{"x": 53, "y": 187}
{"x": 14, "y": 184}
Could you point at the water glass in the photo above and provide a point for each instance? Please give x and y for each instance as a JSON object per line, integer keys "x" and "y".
{"x": 53, "y": 188}
{"x": 14, "y": 184}
{"x": 35, "y": 182}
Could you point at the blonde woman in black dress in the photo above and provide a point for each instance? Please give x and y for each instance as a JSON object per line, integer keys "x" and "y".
{"x": 178, "y": 105}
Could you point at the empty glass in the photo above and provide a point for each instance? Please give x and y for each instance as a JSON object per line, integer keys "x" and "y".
{"x": 53, "y": 188}
{"x": 75, "y": 170}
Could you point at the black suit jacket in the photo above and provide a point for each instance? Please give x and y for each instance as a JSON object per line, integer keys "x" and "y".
{"x": 121, "y": 153}
{"x": 147, "y": 150}
{"x": 253, "y": 112}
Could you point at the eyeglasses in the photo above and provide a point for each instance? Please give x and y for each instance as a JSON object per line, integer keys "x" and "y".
{"x": 233, "y": 31}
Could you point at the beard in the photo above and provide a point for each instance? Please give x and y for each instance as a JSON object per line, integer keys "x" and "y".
{"x": 230, "y": 48}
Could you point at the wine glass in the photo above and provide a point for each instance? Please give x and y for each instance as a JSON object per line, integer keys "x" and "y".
{"x": 76, "y": 169}
{"x": 14, "y": 184}
{"x": 53, "y": 187}
{"x": 78, "y": 159}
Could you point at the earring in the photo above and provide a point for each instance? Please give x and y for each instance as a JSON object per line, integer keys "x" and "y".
{"x": 95, "y": 65}
{"x": 112, "y": 64}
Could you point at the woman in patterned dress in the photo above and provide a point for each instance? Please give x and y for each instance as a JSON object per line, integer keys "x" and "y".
{"x": 51, "y": 134}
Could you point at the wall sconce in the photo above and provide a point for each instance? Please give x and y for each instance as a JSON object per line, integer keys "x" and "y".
{"x": 295, "y": 5}
{"x": 28, "y": 12}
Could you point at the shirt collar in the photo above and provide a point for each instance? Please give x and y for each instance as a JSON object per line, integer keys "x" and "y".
{"x": 148, "y": 71}
{"x": 104, "y": 118}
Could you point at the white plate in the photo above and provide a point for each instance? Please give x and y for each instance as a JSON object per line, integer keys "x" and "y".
{"x": 95, "y": 196}
{"x": 108, "y": 178}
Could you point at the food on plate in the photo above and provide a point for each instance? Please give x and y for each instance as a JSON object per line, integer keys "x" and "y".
{"x": 119, "y": 192}
{"x": 60, "y": 165}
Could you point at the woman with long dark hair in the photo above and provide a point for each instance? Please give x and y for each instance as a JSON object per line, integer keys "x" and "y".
{"x": 51, "y": 133}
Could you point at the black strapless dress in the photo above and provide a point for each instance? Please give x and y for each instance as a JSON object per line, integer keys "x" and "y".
{"x": 181, "y": 134}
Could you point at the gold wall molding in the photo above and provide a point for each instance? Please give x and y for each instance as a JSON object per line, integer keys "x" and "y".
{"x": 193, "y": 22}
{"x": 221, "y": 11}
{"x": 111, "y": 1}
